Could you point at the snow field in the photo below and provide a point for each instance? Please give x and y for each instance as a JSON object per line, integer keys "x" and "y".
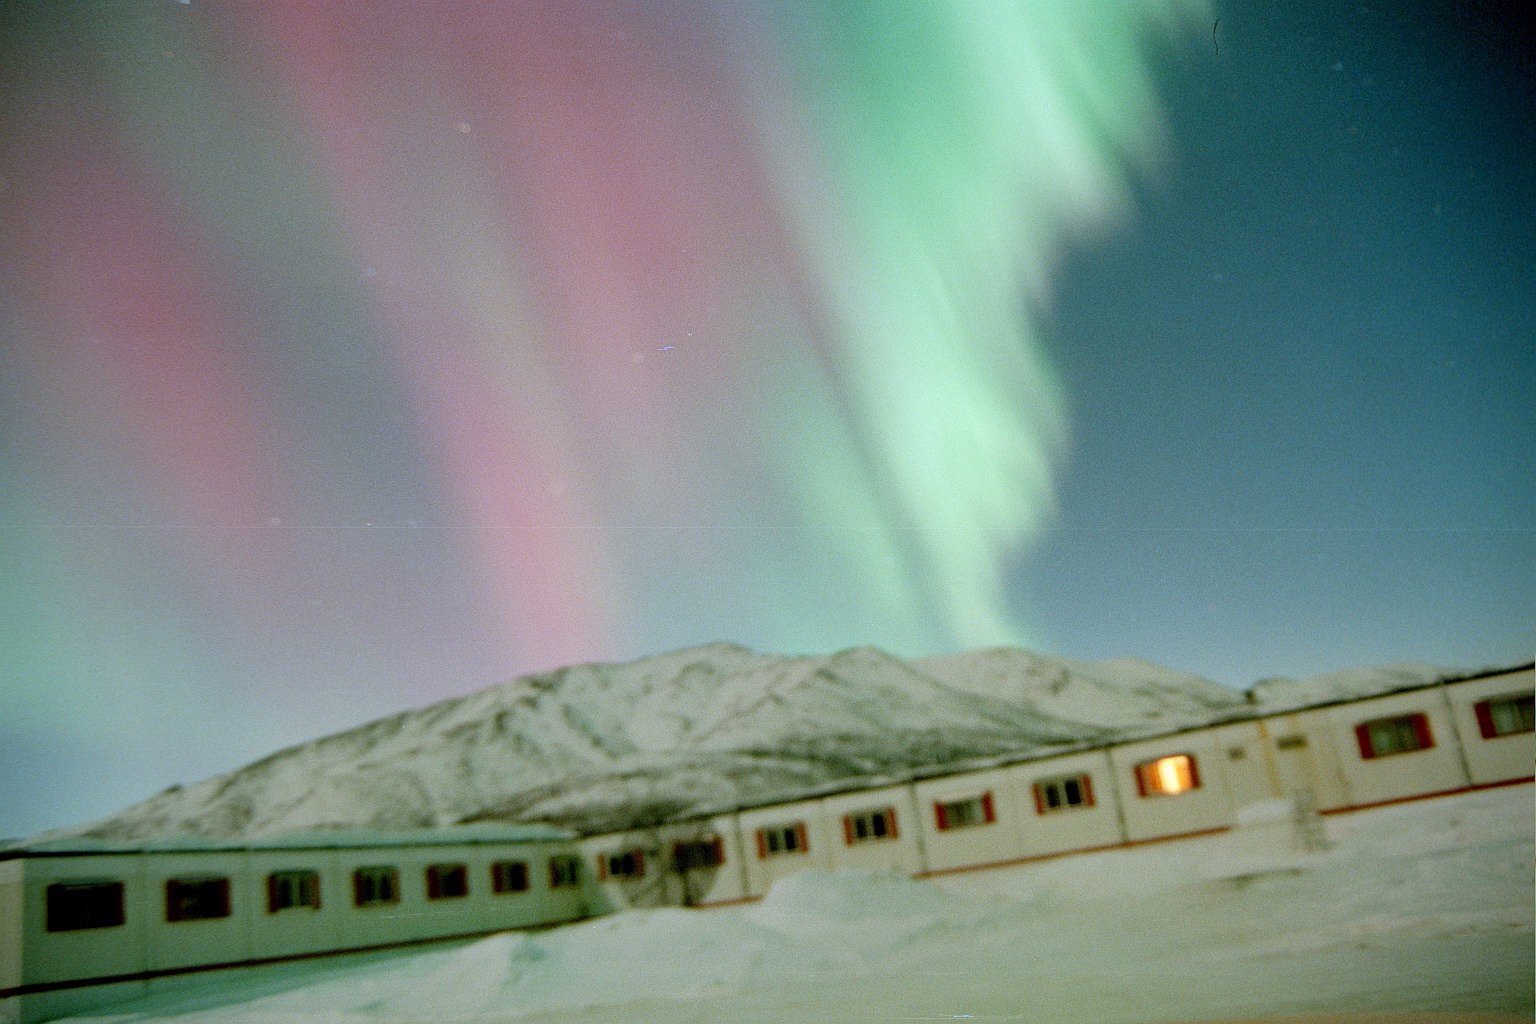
{"x": 1422, "y": 908}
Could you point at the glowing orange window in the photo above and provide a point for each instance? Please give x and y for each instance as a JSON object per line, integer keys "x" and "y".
{"x": 1167, "y": 776}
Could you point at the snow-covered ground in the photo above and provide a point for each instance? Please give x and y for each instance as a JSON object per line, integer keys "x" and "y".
{"x": 1422, "y": 907}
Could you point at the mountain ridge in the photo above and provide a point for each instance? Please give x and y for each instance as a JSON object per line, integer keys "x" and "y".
{"x": 598, "y": 747}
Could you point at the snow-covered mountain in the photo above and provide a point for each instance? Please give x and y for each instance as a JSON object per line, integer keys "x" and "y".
{"x": 599, "y": 747}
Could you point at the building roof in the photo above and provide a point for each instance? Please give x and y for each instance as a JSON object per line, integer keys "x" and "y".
{"x": 476, "y": 834}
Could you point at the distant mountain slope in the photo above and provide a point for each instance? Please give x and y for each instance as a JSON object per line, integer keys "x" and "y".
{"x": 598, "y": 747}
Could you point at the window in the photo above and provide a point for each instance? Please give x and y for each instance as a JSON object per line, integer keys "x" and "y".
{"x": 624, "y": 864}
{"x": 777, "y": 840}
{"x": 509, "y": 876}
{"x": 972, "y": 811}
{"x": 292, "y": 890}
{"x": 692, "y": 854}
{"x": 1401, "y": 734}
{"x": 1506, "y": 716}
{"x": 196, "y": 899}
{"x": 447, "y": 881}
{"x": 1167, "y": 776}
{"x": 375, "y": 886}
{"x": 564, "y": 872}
{"x": 867, "y": 826}
{"x": 1063, "y": 793}
{"x": 76, "y": 906}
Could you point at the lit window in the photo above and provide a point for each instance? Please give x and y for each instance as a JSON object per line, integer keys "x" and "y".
{"x": 1063, "y": 794}
{"x": 75, "y": 906}
{"x": 375, "y": 886}
{"x": 1167, "y": 776}
{"x": 1401, "y": 734}
{"x": 293, "y": 890}
{"x": 626, "y": 864}
{"x": 1506, "y": 716}
{"x": 974, "y": 810}
{"x": 564, "y": 872}
{"x": 447, "y": 881}
{"x": 196, "y": 899}
{"x": 777, "y": 840}
{"x": 691, "y": 854}
{"x": 868, "y": 826}
{"x": 509, "y": 876}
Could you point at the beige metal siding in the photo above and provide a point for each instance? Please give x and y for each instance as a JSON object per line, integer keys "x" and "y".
{"x": 718, "y": 884}
{"x": 904, "y": 853}
{"x": 970, "y": 845}
{"x": 59, "y": 956}
{"x": 1150, "y": 817}
{"x": 1306, "y": 759}
{"x": 1246, "y": 761}
{"x": 822, "y": 837}
{"x": 11, "y": 895}
{"x": 173, "y": 944}
{"x": 1071, "y": 828}
{"x": 1500, "y": 758}
{"x": 1395, "y": 776}
{"x": 655, "y": 887}
{"x": 297, "y": 930}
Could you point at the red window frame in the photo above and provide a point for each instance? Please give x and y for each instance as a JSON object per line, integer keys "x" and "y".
{"x": 184, "y": 899}
{"x": 607, "y": 861}
{"x": 698, "y": 854}
{"x": 1084, "y": 788}
{"x": 1484, "y": 711}
{"x": 447, "y": 881}
{"x": 569, "y": 864}
{"x": 78, "y": 906}
{"x": 887, "y": 815}
{"x": 389, "y": 893}
{"x": 941, "y": 812}
{"x": 306, "y": 883}
{"x": 1145, "y": 774}
{"x": 802, "y": 840}
{"x": 508, "y": 876}
{"x": 1423, "y": 737}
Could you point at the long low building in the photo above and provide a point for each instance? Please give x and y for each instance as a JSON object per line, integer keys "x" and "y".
{"x": 83, "y": 924}
{"x": 1326, "y": 758}
{"x": 87, "y": 923}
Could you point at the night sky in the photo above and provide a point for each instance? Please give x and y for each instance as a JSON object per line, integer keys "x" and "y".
{"x": 355, "y": 356}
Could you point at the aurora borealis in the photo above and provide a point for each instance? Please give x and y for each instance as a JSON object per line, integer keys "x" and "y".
{"x": 358, "y": 355}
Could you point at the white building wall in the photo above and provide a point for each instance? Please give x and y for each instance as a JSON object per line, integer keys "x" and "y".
{"x": 1501, "y": 758}
{"x": 1246, "y": 761}
{"x": 1070, "y": 828}
{"x": 1395, "y": 776}
{"x": 567, "y": 904}
{"x": 822, "y": 839}
{"x": 723, "y": 883}
{"x": 535, "y": 905}
{"x": 59, "y": 956}
{"x": 174, "y": 944}
{"x": 382, "y": 923}
{"x": 10, "y": 923}
{"x": 1150, "y": 817}
{"x": 652, "y": 888}
{"x": 904, "y": 853}
{"x": 1306, "y": 759}
{"x": 971, "y": 845}
{"x": 296, "y": 930}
